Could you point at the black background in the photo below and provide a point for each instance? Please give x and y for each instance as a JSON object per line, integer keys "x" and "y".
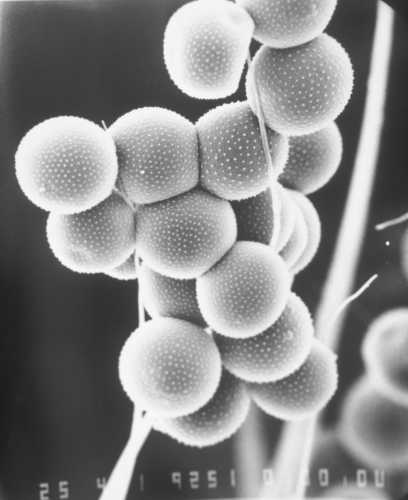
{"x": 63, "y": 415}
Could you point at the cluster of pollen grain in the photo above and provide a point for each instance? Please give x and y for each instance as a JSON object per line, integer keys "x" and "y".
{"x": 170, "y": 367}
{"x": 185, "y": 236}
{"x": 298, "y": 84}
{"x": 157, "y": 152}
{"x": 281, "y": 24}
{"x": 126, "y": 271}
{"x": 313, "y": 159}
{"x": 373, "y": 428}
{"x": 301, "y": 89}
{"x": 186, "y": 193}
{"x": 205, "y": 47}
{"x": 275, "y": 353}
{"x": 304, "y": 392}
{"x": 214, "y": 422}
{"x": 164, "y": 296}
{"x": 245, "y": 292}
{"x": 385, "y": 353}
{"x": 66, "y": 164}
{"x": 233, "y": 163}
{"x": 96, "y": 240}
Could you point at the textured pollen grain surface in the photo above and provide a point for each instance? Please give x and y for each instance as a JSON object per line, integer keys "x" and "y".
{"x": 126, "y": 271}
{"x": 255, "y": 218}
{"x": 280, "y": 24}
{"x": 313, "y": 159}
{"x": 218, "y": 420}
{"x": 314, "y": 231}
{"x": 157, "y": 152}
{"x": 96, "y": 240}
{"x": 66, "y": 164}
{"x": 275, "y": 353}
{"x": 385, "y": 353}
{"x": 170, "y": 367}
{"x": 301, "y": 89}
{"x": 245, "y": 292}
{"x": 184, "y": 236}
{"x": 205, "y": 47}
{"x": 164, "y": 296}
{"x": 373, "y": 429}
{"x": 304, "y": 392}
{"x": 233, "y": 164}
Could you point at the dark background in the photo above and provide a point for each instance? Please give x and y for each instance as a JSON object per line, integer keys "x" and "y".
{"x": 63, "y": 416}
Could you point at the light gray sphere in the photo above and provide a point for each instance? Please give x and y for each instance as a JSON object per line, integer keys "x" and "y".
{"x": 94, "y": 241}
{"x": 245, "y": 292}
{"x": 215, "y": 422}
{"x": 169, "y": 367}
{"x": 233, "y": 163}
{"x": 157, "y": 152}
{"x": 275, "y": 353}
{"x": 281, "y": 24}
{"x": 303, "y": 393}
{"x": 313, "y": 159}
{"x": 66, "y": 164}
{"x": 205, "y": 47}
{"x": 301, "y": 89}
{"x": 185, "y": 236}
